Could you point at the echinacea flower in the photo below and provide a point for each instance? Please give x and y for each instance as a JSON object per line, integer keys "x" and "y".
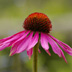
{"x": 37, "y": 28}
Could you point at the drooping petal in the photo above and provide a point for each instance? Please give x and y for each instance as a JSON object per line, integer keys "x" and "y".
{"x": 39, "y": 51}
{"x": 44, "y": 42}
{"x": 34, "y": 41}
{"x": 54, "y": 46}
{"x": 16, "y": 43}
{"x": 48, "y": 52}
{"x": 30, "y": 52}
{"x": 14, "y": 48}
{"x": 4, "y": 45}
{"x": 12, "y": 37}
{"x": 22, "y": 36}
{"x": 65, "y": 49}
{"x": 24, "y": 44}
{"x": 6, "y": 42}
{"x": 63, "y": 56}
{"x": 64, "y": 46}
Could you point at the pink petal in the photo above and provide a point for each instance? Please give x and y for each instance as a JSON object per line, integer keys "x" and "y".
{"x": 24, "y": 44}
{"x": 17, "y": 43}
{"x": 65, "y": 49}
{"x": 4, "y": 45}
{"x": 44, "y": 42}
{"x": 48, "y": 52}
{"x": 56, "y": 49}
{"x": 14, "y": 48}
{"x": 30, "y": 52}
{"x": 6, "y": 42}
{"x": 63, "y": 56}
{"x": 54, "y": 46}
{"x": 22, "y": 36}
{"x": 34, "y": 41}
{"x": 64, "y": 46}
{"x": 39, "y": 51}
{"x": 13, "y": 36}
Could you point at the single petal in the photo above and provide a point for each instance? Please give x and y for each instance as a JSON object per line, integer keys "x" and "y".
{"x": 44, "y": 42}
{"x": 48, "y": 52}
{"x": 64, "y": 46}
{"x": 54, "y": 46}
{"x": 16, "y": 43}
{"x": 39, "y": 51}
{"x": 34, "y": 41}
{"x": 63, "y": 56}
{"x": 24, "y": 44}
{"x": 30, "y": 52}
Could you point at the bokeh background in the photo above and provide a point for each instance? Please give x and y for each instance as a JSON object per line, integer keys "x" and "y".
{"x": 12, "y": 16}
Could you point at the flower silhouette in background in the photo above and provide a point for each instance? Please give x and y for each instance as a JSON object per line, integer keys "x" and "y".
{"x": 37, "y": 28}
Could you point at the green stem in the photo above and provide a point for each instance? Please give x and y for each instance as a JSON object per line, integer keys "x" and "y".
{"x": 35, "y": 57}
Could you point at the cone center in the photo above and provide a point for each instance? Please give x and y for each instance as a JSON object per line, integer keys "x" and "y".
{"x": 37, "y": 22}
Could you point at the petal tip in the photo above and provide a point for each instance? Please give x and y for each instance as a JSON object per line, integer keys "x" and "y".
{"x": 10, "y": 54}
{"x": 66, "y": 62}
{"x": 29, "y": 57}
{"x": 39, "y": 51}
{"x": 48, "y": 52}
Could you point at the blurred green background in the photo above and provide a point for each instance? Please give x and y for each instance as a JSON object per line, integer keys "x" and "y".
{"x": 12, "y": 16}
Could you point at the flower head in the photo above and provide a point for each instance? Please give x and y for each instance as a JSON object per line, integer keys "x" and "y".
{"x": 37, "y": 27}
{"x": 37, "y": 22}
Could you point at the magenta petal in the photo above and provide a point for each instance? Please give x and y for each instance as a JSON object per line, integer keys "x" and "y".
{"x": 48, "y": 52}
{"x": 4, "y": 45}
{"x": 54, "y": 46}
{"x": 34, "y": 41}
{"x": 24, "y": 44}
{"x": 64, "y": 46}
{"x": 18, "y": 43}
{"x": 39, "y": 51}
{"x": 63, "y": 56}
{"x": 6, "y": 42}
{"x": 24, "y": 35}
{"x": 12, "y": 37}
{"x": 44, "y": 42}
{"x": 30, "y": 52}
{"x": 14, "y": 48}
{"x": 65, "y": 49}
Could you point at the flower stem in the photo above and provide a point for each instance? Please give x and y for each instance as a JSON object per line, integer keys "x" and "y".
{"x": 35, "y": 57}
